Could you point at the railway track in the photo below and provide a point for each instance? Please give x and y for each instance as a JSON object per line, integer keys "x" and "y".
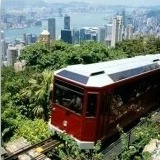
{"x": 42, "y": 147}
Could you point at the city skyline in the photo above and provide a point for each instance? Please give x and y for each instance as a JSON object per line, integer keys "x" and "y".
{"x": 113, "y": 2}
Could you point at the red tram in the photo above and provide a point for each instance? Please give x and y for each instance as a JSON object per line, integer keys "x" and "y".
{"x": 90, "y": 100}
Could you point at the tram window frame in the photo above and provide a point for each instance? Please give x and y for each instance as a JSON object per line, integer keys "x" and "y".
{"x": 91, "y": 104}
{"x": 105, "y": 102}
{"x": 66, "y": 96}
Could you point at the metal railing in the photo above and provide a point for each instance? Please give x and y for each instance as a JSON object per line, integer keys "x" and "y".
{"x": 116, "y": 148}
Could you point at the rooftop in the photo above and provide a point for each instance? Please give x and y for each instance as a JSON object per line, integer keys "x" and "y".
{"x": 105, "y": 73}
{"x": 45, "y": 32}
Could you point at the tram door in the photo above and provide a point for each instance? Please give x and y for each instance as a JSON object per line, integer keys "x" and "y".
{"x": 90, "y": 116}
{"x": 103, "y": 116}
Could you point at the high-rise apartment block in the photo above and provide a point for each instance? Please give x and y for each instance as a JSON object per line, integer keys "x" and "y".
{"x": 60, "y": 12}
{"x": 12, "y": 54}
{"x": 124, "y": 18}
{"x": 51, "y": 27}
{"x": 129, "y": 32}
{"x": 67, "y": 22}
{"x": 75, "y": 36}
{"x": 29, "y": 38}
{"x": 108, "y": 35}
{"x": 109, "y": 31}
{"x": 117, "y": 30}
{"x": 66, "y": 36}
{"x": 82, "y": 34}
{"x": 101, "y": 34}
{"x": 3, "y": 49}
{"x": 3, "y": 46}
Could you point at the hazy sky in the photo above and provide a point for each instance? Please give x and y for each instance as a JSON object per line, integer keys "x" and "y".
{"x": 119, "y": 2}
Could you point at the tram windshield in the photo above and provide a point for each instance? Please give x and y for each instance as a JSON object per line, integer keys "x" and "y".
{"x": 68, "y": 96}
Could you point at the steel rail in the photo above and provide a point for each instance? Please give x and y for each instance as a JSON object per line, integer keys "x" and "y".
{"x": 40, "y": 144}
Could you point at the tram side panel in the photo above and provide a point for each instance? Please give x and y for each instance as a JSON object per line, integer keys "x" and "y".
{"x": 126, "y": 102}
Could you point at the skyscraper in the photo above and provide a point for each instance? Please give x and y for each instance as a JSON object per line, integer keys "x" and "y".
{"x": 108, "y": 34}
{"x": 75, "y": 36}
{"x": 117, "y": 30}
{"x": 129, "y": 32}
{"x": 67, "y": 22}
{"x": 109, "y": 31}
{"x": 66, "y": 36}
{"x": 12, "y": 54}
{"x": 60, "y": 12}
{"x": 101, "y": 34}
{"x": 25, "y": 38}
{"x": 29, "y": 38}
{"x": 3, "y": 47}
{"x": 51, "y": 27}
{"x": 124, "y": 18}
{"x": 82, "y": 35}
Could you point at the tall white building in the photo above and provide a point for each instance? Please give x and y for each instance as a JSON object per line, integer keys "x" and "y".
{"x": 109, "y": 31}
{"x": 101, "y": 34}
{"x": 108, "y": 34}
{"x": 117, "y": 30}
{"x": 12, "y": 54}
{"x": 3, "y": 49}
{"x": 129, "y": 32}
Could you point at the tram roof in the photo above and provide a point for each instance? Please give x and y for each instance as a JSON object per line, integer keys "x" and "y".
{"x": 105, "y": 73}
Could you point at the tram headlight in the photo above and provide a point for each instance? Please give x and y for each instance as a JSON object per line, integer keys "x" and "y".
{"x": 65, "y": 123}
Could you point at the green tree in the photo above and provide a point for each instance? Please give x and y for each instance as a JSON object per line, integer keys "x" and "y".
{"x": 116, "y": 54}
{"x": 33, "y": 54}
{"x": 37, "y": 93}
{"x": 10, "y": 119}
{"x": 12, "y": 83}
{"x": 131, "y": 47}
{"x": 158, "y": 45}
{"x": 59, "y": 46}
{"x": 34, "y": 131}
{"x": 151, "y": 45}
{"x": 61, "y": 54}
{"x": 11, "y": 106}
{"x": 69, "y": 150}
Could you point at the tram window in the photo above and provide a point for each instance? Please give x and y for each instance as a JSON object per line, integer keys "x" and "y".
{"x": 115, "y": 101}
{"x": 69, "y": 98}
{"x": 91, "y": 105}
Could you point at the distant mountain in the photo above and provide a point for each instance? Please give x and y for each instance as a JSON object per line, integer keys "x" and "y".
{"x": 151, "y": 7}
{"x": 69, "y": 4}
{"x": 23, "y": 3}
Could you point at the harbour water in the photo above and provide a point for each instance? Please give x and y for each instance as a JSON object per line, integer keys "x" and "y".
{"x": 78, "y": 20}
